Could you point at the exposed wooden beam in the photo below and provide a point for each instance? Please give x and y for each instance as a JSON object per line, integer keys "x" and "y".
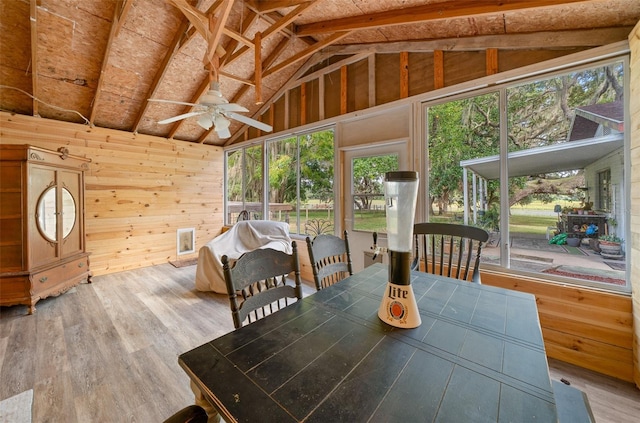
{"x": 272, "y": 114}
{"x": 492, "y": 61}
{"x": 371, "y": 64}
{"x": 404, "y": 74}
{"x": 105, "y": 61}
{"x": 238, "y": 37}
{"x": 305, "y": 53}
{"x": 33, "y": 17}
{"x": 275, "y": 28}
{"x": 236, "y": 78}
{"x": 124, "y": 10}
{"x": 258, "y": 66}
{"x": 344, "y": 82}
{"x": 217, "y": 29}
{"x": 534, "y": 40}
{"x": 321, "y": 96}
{"x": 242, "y": 91}
{"x": 208, "y": 24}
{"x": 332, "y": 67}
{"x": 438, "y": 69}
{"x": 264, "y": 6}
{"x": 249, "y": 20}
{"x": 426, "y": 12}
{"x": 303, "y": 104}
{"x": 280, "y": 24}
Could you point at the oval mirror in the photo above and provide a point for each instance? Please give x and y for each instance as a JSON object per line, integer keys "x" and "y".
{"x": 68, "y": 212}
{"x": 46, "y": 216}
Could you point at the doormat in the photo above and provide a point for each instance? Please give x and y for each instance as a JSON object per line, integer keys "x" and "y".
{"x": 616, "y": 265}
{"x": 184, "y": 263}
{"x": 597, "y": 278}
{"x": 17, "y": 409}
{"x": 574, "y": 250}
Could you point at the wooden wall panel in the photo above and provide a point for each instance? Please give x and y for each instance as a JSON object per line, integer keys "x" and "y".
{"x": 586, "y": 327}
{"x": 512, "y": 59}
{"x": 332, "y": 94}
{"x": 312, "y": 100}
{"x": 279, "y": 115}
{"x": 295, "y": 96}
{"x": 634, "y": 108}
{"x": 420, "y": 73}
{"x": 463, "y": 66}
{"x": 387, "y": 78}
{"x": 358, "y": 86}
{"x": 138, "y": 190}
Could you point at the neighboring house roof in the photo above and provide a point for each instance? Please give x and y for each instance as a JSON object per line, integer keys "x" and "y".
{"x": 582, "y": 150}
{"x": 588, "y": 118}
{"x": 550, "y": 158}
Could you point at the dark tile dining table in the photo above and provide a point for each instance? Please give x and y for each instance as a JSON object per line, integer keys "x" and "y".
{"x": 478, "y": 356}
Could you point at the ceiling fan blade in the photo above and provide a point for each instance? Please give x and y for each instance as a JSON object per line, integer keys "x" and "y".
{"x": 180, "y": 117}
{"x": 184, "y": 103}
{"x": 249, "y": 121}
{"x": 223, "y": 133}
{"x": 232, "y": 107}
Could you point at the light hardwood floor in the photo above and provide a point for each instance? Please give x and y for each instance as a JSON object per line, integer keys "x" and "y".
{"x": 107, "y": 351}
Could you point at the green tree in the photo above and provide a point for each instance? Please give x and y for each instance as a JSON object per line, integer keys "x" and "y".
{"x": 368, "y": 178}
{"x": 459, "y": 130}
{"x": 316, "y": 160}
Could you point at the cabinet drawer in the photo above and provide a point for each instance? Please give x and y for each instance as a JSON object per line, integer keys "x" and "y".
{"x": 58, "y": 279}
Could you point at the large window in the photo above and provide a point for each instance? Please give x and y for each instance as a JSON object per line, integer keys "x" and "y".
{"x": 367, "y": 191}
{"x": 560, "y": 140}
{"x": 299, "y": 177}
{"x": 244, "y": 184}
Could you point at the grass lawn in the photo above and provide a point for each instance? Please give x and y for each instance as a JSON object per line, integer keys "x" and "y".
{"x": 374, "y": 220}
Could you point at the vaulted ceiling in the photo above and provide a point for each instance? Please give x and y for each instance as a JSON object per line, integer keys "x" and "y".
{"x": 99, "y": 62}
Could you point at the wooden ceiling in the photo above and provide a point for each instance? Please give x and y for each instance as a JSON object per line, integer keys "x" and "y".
{"x": 98, "y": 62}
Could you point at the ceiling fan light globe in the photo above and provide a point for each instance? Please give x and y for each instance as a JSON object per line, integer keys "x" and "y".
{"x": 221, "y": 123}
{"x": 205, "y": 121}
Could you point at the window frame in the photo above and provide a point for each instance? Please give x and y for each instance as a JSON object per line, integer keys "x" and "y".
{"x": 502, "y": 86}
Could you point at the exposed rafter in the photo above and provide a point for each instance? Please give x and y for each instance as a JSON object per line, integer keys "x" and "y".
{"x": 305, "y": 53}
{"x": 427, "y": 12}
{"x": 264, "y": 6}
{"x": 545, "y": 39}
{"x": 275, "y": 28}
{"x": 115, "y": 25}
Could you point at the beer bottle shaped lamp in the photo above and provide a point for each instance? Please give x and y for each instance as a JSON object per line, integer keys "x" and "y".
{"x": 398, "y": 307}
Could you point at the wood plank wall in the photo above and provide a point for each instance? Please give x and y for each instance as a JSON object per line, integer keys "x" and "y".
{"x": 586, "y": 327}
{"x": 139, "y": 189}
{"x": 634, "y": 106}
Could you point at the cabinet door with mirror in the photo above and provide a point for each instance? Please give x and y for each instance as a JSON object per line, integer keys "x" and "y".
{"x": 47, "y": 255}
{"x": 56, "y": 216}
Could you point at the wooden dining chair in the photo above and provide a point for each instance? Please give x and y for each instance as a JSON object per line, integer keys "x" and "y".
{"x": 330, "y": 259}
{"x": 258, "y": 283}
{"x": 448, "y": 249}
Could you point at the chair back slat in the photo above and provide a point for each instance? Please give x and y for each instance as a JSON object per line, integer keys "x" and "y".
{"x": 258, "y": 283}
{"x": 330, "y": 259}
{"x": 459, "y": 246}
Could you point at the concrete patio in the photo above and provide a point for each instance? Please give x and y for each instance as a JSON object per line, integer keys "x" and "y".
{"x": 534, "y": 254}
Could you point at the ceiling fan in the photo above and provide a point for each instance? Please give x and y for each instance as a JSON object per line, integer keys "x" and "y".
{"x": 215, "y": 110}
{"x": 212, "y": 108}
